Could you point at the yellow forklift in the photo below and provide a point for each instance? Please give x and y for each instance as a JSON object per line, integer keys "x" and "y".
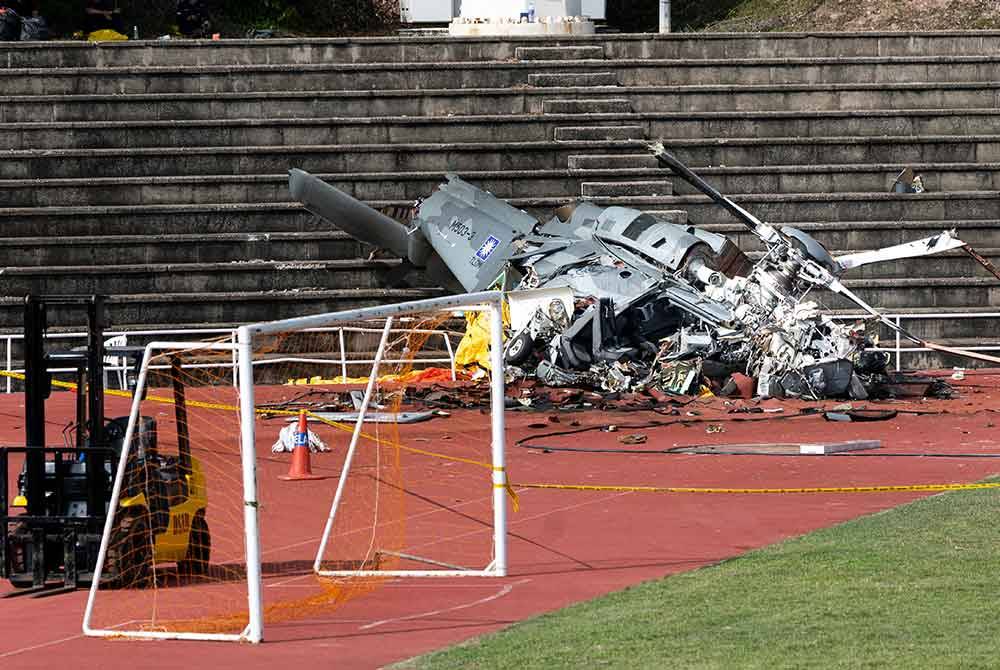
{"x": 52, "y": 545}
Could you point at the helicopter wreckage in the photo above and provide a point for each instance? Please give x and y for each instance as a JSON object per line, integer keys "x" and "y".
{"x": 618, "y": 299}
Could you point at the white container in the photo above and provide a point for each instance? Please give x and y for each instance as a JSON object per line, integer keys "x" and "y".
{"x": 557, "y": 8}
{"x": 428, "y": 11}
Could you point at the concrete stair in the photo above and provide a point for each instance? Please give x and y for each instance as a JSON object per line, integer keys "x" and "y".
{"x": 620, "y": 184}
{"x": 514, "y": 128}
{"x": 432, "y": 49}
{"x": 845, "y": 73}
{"x": 157, "y": 171}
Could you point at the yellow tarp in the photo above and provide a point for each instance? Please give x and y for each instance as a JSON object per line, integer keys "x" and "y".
{"x": 474, "y": 349}
{"x": 106, "y": 35}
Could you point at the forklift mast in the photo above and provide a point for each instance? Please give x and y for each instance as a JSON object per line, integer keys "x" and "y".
{"x": 38, "y": 386}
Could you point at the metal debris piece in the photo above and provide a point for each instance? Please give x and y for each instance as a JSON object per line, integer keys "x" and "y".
{"x": 633, "y": 438}
{"x": 373, "y": 417}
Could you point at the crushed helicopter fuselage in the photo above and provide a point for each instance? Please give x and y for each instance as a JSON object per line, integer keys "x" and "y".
{"x": 619, "y": 299}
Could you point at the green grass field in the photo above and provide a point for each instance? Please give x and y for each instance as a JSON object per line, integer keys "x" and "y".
{"x": 913, "y": 587}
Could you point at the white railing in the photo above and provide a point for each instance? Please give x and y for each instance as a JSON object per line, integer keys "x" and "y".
{"x": 344, "y": 361}
{"x": 897, "y": 349}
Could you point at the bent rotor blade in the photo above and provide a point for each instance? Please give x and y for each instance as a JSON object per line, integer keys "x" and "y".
{"x": 756, "y": 226}
{"x": 944, "y": 241}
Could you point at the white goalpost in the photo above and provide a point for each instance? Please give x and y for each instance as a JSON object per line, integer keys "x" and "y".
{"x": 231, "y": 465}
{"x": 253, "y": 632}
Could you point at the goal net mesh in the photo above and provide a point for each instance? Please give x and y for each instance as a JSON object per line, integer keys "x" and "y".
{"x": 417, "y": 495}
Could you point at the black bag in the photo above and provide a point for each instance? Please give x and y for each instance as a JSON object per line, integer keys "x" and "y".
{"x": 10, "y": 25}
{"x": 34, "y": 29}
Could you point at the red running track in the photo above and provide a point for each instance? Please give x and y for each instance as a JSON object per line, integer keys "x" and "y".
{"x": 565, "y": 546}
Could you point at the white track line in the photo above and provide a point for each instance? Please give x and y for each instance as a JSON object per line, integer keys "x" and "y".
{"x": 40, "y": 646}
{"x": 499, "y": 594}
{"x": 55, "y": 642}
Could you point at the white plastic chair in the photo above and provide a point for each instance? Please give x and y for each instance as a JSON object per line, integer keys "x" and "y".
{"x": 117, "y": 363}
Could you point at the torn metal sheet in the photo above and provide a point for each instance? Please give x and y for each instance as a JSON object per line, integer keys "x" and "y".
{"x": 371, "y": 417}
{"x": 811, "y": 448}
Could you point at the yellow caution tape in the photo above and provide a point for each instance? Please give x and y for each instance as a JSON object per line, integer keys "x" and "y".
{"x": 509, "y": 487}
{"x": 809, "y": 489}
{"x": 277, "y": 412}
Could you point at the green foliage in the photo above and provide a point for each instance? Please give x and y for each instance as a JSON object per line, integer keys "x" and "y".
{"x": 642, "y": 16}
{"x": 234, "y": 17}
{"x": 324, "y": 17}
{"x": 690, "y": 15}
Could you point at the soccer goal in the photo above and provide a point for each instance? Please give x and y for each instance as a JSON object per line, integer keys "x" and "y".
{"x": 217, "y": 527}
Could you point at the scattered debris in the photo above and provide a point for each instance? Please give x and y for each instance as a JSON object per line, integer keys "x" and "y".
{"x": 907, "y": 182}
{"x": 633, "y": 438}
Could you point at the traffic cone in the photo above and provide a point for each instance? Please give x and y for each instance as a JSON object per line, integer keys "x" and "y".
{"x": 301, "y": 467}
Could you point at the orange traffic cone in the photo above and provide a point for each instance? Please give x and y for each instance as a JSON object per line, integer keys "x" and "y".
{"x": 301, "y": 467}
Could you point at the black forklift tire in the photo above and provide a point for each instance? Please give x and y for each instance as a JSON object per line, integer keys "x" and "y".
{"x": 21, "y": 582}
{"x": 520, "y": 348}
{"x": 130, "y": 553}
{"x": 199, "y": 550}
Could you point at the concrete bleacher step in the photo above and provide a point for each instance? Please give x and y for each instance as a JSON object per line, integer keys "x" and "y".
{"x": 153, "y": 248}
{"x": 591, "y": 133}
{"x": 843, "y": 70}
{"x": 225, "y": 307}
{"x": 585, "y": 52}
{"x": 301, "y": 131}
{"x": 161, "y": 161}
{"x": 851, "y": 178}
{"x": 975, "y": 214}
{"x": 563, "y": 79}
{"x": 750, "y": 151}
{"x": 625, "y": 188}
{"x": 417, "y": 49}
{"x": 406, "y": 96}
{"x": 584, "y": 106}
{"x": 359, "y": 104}
{"x": 823, "y": 123}
{"x": 791, "y": 180}
{"x": 952, "y": 95}
{"x": 178, "y": 219}
{"x": 199, "y": 277}
{"x": 480, "y": 97}
{"x": 815, "y": 207}
{"x": 402, "y": 186}
{"x": 611, "y": 161}
{"x": 688, "y": 72}
{"x": 321, "y": 130}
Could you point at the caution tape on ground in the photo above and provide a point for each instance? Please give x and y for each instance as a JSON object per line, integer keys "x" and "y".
{"x": 510, "y": 487}
{"x": 265, "y": 411}
{"x": 807, "y": 489}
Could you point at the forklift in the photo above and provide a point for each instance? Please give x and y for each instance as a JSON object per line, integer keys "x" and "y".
{"x": 52, "y": 546}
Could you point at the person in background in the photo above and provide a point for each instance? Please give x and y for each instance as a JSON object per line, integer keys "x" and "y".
{"x": 103, "y": 15}
{"x": 193, "y": 18}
